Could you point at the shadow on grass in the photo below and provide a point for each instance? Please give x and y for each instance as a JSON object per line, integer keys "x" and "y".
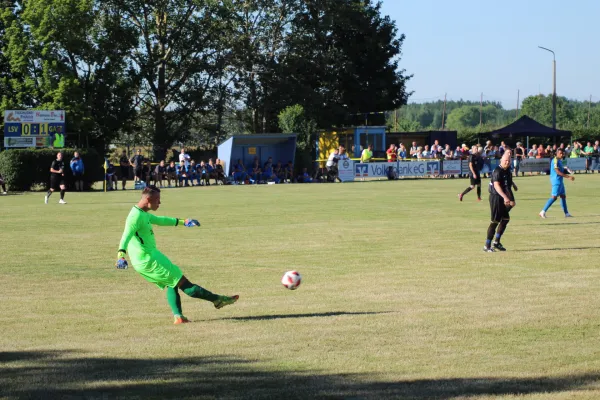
{"x": 519, "y": 199}
{"x": 310, "y": 315}
{"x": 51, "y": 375}
{"x": 563, "y": 224}
{"x": 558, "y": 249}
{"x": 12, "y": 194}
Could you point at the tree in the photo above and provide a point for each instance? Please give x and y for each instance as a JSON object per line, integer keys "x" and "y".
{"x": 293, "y": 120}
{"x": 70, "y": 54}
{"x": 462, "y": 117}
{"x": 343, "y": 59}
{"x": 540, "y": 108}
{"x": 7, "y": 92}
{"x": 260, "y": 31}
{"x": 176, "y": 56}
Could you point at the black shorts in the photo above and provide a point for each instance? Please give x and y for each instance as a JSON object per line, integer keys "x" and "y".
{"x": 56, "y": 181}
{"x": 498, "y": 209}
{"x": 138, "y": 172}
{"x": 475, "y": 181}
{"x": 124, "y": 172}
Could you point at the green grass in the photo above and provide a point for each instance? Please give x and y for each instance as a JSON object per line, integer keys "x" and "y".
{"x": 397, "y": 300}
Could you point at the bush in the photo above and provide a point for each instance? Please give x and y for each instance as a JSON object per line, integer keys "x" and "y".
{"x": 22, "y": 169}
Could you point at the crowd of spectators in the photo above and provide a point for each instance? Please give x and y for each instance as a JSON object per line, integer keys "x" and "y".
{"x": 184, "y": 173}
{"x": 187, "y": 172}
{"x": 489, "y": 151}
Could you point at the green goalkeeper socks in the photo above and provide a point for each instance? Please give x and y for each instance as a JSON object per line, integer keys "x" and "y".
{"x": 197, "y": 292}
{"x": 174, "y": 301}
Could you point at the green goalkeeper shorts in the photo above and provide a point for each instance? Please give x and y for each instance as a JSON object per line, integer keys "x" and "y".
{"x": 159, "y": 270}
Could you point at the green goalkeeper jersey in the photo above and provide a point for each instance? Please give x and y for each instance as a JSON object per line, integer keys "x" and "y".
{"x": 138, "y": 236}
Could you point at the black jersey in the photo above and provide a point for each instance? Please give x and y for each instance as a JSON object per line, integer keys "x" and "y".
{"x": 519, "y": 152}
{"x": 124, "y": 161}
{"x": 477, "y": 162}
{"x": 504, "y": 177}
{"x": 57, "y": 166}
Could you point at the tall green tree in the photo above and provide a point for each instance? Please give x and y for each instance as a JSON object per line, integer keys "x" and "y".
{"x": 343, "y": 59}
{"x": 175, "y": 55}
{"x": 540, "y": 108}
{"x": 260, "y": 30}
{"x": 7, "y": 78}
{"x": 71, "y": 55}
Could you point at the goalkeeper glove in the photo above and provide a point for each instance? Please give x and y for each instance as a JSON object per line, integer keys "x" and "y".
{"x": 190, "y": 223}
{"x": 121, "y": 261}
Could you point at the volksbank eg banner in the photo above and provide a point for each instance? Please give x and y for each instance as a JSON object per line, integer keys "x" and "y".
{"x": 401, "y": 168}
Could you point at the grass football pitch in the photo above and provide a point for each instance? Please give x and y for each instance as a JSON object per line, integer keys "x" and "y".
{"x": 397, "y": 300}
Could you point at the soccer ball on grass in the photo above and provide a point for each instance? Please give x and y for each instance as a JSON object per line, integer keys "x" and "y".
{"x": 291, "y": 280}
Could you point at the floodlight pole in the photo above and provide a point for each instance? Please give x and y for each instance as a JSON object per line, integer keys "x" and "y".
{"x": 553, "y": 86}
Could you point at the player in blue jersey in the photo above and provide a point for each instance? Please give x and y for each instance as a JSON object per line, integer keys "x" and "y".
{"x": 557, "y": 173}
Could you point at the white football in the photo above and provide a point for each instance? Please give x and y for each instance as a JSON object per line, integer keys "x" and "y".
{"x": 291, "y": 280}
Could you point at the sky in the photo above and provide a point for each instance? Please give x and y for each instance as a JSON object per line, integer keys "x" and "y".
{"x": 467, "y": 47}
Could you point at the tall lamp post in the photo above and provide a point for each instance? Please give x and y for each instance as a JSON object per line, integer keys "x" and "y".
{"x": 553, "y": 86}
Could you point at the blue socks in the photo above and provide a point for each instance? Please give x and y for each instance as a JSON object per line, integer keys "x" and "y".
{"x": 549, "y": 203}
{"x": 563, "y": 201}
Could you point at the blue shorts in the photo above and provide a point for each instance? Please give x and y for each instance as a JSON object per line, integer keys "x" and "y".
{"x": 558, "y": 190}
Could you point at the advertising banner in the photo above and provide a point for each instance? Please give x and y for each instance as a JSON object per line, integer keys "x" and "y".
{"x": 346, "y": 170}
{"x": 418, "y": 168}
{"x": 401, "y": 168}
{"x": 20, "y": 142}
{"x": 575, "y": 164}
{"x": 34, "y": 116}
{"x": 41, "y": 127}
{"x": 535, "y": 165}
{"x": 451, "y": 167}
{"x": 373, "y": 170}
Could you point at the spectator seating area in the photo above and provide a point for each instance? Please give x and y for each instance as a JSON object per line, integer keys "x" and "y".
{"x": 189, "y": 173}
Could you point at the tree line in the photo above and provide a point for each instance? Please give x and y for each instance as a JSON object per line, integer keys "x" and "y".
{"x": 469, "y": 118}
{"x": 196, "y": 71}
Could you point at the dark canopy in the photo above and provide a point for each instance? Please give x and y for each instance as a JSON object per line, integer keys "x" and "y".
{"x": 525, "y": 126}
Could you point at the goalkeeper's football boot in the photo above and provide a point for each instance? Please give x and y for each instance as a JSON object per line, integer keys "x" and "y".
{"x": 498, "y": 246}
{"x": 488, "y": 249}
{"x": 180, "y": 319}
{"x": 223, "y": 301}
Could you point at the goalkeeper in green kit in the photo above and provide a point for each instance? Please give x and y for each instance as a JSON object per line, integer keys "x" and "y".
{"x": 138, "y": 241}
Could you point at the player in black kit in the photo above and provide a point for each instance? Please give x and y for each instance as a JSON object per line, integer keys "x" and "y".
{"x": 57, "y": 179}
{"x": 502, "y": 201}
{"x": 475, "y": 167}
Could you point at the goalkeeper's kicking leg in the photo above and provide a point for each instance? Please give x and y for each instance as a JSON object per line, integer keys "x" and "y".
{"x": 197, "y": 292}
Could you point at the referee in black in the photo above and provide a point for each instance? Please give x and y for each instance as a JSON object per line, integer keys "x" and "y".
{"x": 57, "y": 179}
{"x": 502, "y": 201}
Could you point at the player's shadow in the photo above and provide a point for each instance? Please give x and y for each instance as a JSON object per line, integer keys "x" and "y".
{"x": 307, "y": 315}
{"x": 558, "y": 249}
{"x": 52, "y": 375}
